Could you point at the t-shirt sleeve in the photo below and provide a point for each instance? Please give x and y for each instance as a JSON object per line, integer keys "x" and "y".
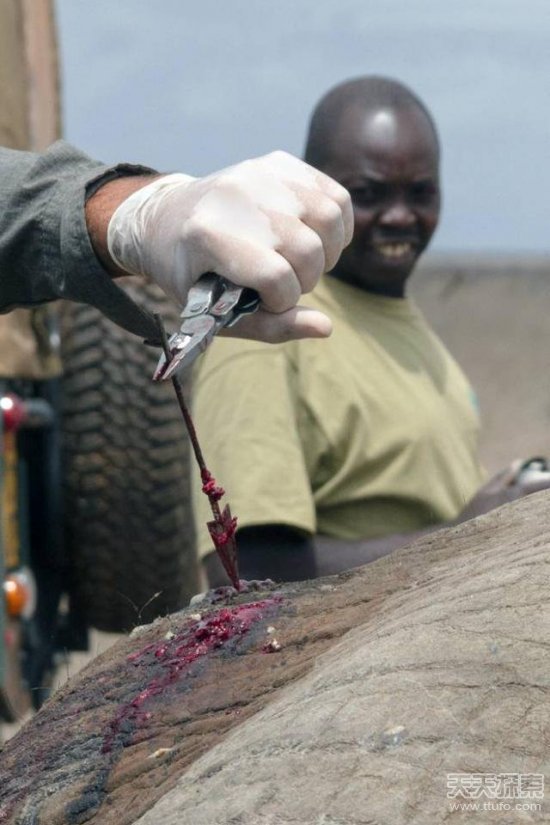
{"x": 244, "y": 403}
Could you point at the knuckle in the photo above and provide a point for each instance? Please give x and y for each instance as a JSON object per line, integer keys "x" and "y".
{"x": 310, "y": 260}
{"x": 281, "y": 288}
{"x": 279, "y": 155}
{"x": 285, "y": 165}
{"x": 229, "y": 183}
{"x": 279, "y": 271}
{"x": 329, "y": 215}
{"x": 206, "y": 234}
{"x": 315, "y": 249}
{"x": 333, "y": 212}
{"x": 337, "y": 192}
{"x": 344, "y": 199}
{"x": 195, "y": 228}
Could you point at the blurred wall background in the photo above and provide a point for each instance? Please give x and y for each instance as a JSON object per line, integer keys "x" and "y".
{"x": 195, "y": 86}
{"x": 494, "y": 315}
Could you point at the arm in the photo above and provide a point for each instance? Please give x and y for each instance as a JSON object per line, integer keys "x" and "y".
{"x": 68, "y": 225}
{"x": 283, "y": 554}
{"x": 272, "y": 224}
{"x": 506, "y": 486}
{"x": 100, "y": 208}
{"x": 45, "y": 248}
{"x": 271, "y": 551}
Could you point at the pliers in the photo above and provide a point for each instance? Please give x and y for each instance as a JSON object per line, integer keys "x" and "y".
{"x": 212, "y": 303}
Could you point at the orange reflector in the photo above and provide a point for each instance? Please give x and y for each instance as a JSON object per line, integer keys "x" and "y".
{"x": 17, "y": 595}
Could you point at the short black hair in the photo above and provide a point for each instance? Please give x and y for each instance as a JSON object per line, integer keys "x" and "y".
{"x": 369, "y": 92}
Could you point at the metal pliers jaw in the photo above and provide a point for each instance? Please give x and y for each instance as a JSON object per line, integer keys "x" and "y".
{"x": 212, "y": 303}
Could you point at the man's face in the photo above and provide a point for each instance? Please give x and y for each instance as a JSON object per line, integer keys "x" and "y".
{"x": 388, "y": 160}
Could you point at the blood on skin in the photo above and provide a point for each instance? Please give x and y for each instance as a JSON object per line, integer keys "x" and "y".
{"x": 176, "y": 654}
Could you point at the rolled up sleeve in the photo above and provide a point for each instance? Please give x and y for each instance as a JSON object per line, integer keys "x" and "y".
{"x": 45, "y": 249}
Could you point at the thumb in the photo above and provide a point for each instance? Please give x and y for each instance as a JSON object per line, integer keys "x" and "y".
{"x": 275, "y": 328}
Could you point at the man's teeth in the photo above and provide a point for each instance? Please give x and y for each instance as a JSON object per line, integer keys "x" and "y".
{"x": 394, "y": 250}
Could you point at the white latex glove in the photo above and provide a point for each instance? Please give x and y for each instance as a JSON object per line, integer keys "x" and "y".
{"x": 274, "y": 224}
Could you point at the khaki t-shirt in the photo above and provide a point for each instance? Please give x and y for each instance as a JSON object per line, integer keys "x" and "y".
{"x": 370, "y": 432}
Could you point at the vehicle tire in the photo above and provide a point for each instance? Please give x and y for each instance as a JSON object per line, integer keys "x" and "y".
{"x": 125, "y": 457}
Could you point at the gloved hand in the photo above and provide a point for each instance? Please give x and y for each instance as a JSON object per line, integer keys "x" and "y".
{"x": 274, "y": 224}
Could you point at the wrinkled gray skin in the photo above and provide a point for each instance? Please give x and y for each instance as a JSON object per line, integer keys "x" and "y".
{"x": 428, "y": 662}
{"x": 451, "y": 675}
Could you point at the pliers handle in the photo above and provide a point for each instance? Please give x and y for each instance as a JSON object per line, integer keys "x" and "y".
{"x": 212, "y": 303}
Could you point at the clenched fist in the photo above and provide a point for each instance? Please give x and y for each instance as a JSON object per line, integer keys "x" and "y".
{"x": 274, "y": 224}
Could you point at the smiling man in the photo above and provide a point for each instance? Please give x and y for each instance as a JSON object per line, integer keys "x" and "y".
{"x": 377, "y": 139}
{"x": 336, "y": 452}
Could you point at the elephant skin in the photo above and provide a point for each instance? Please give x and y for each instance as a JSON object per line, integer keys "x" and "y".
{"x": 351, "y": 700}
